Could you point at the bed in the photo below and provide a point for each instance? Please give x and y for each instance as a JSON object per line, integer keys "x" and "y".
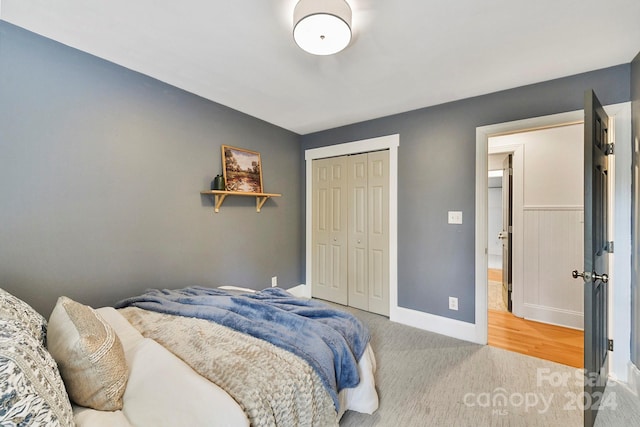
{"x": 194, "y": 356}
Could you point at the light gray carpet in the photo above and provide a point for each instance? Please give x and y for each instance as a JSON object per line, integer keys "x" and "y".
{"x": 624, "y": 409}
{"x": 426, "y": 379}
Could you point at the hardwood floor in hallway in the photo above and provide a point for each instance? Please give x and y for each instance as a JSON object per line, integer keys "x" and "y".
{"x": 549, "y": 342}
{"x": 494, "y": 274}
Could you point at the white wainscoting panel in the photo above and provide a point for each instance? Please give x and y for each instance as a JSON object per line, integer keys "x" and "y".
{"x": 553, "y": 237}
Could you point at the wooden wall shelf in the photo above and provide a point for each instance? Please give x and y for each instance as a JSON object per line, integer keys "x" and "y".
{"x": 220, "y": 195}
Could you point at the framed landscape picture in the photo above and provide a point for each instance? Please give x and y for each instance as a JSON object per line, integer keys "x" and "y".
{"x": 242, "y": 170}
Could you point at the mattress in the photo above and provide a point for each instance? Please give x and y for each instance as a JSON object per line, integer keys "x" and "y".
{"x": 164, "y": 391}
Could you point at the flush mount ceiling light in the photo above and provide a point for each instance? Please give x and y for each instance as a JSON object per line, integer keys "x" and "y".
{"x": 322, "y": 27}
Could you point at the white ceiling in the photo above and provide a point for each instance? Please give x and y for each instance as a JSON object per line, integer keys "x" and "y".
{"x": 405, "y": 54}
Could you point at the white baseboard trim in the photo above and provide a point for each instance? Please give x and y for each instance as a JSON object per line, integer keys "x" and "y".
{"x": 417, "y": 319}
{"x": 633, "y": 378}
{"x": 554, "y": 316}
{"x": 437, "y": 324}
{"x": 301, "y": 291}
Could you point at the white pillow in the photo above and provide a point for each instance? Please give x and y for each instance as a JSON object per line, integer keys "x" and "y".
{"x": 89, "y": 355}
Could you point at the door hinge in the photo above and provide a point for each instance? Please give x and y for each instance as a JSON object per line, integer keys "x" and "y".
{"x": 610, "y": 345}
{"x": 609, "y": 247}
{"x": 609, "y": 149}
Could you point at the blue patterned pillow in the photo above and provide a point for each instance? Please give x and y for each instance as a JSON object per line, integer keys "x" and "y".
{"x": 16, "y": 309}
{"x": 32, "y": 392}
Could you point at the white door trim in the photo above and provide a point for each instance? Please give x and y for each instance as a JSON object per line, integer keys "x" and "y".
{"x": 620, "y": 292}
{"x": 389, "y": 142}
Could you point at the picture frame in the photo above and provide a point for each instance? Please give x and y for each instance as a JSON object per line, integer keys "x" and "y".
{"x": 242, "y": 170}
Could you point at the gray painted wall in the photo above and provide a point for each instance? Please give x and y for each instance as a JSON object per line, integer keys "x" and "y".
{"x": 635, "y": 221}
{"x": 100, "y": 174}
{"x": 436, "y": 163}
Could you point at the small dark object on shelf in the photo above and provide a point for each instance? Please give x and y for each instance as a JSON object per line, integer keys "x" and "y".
{"x": 218, "y": 183}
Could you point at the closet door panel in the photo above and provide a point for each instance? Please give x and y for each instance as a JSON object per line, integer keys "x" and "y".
{"x": 358, "y": 231}
{"x": 329, "y": 245}
{"x": 378, "y": 232}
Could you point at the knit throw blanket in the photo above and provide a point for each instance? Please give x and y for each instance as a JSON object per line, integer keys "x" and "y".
{"x": 273, "y": 386}
{"x": 330, "y": 340}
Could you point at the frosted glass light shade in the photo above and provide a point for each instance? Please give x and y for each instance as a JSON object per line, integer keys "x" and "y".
{"x": 322, "y": 27}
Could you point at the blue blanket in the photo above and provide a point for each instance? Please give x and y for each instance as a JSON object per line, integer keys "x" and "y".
{"x": 330, "y": 340}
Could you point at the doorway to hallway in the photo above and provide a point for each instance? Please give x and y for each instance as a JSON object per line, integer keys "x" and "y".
{"x": 619, "y": 313}
{"x": 542, "y": 221}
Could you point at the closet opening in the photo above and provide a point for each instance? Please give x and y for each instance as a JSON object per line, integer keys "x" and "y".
{"x": 351, "y": 254}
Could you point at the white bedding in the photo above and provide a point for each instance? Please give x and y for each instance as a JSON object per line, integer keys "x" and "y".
{"x": 164, "y": 391}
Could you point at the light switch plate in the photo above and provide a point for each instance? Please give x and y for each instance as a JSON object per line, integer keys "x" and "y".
{"x": 455, "y": 217}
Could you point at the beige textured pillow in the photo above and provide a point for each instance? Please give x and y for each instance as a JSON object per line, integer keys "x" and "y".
{"x": 89, "y": 355}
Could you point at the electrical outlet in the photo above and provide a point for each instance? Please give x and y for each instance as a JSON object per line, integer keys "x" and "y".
{"x": 454, "y": 217}
{"x": 453, "y": 303}
{"x": 274, "y": 281}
